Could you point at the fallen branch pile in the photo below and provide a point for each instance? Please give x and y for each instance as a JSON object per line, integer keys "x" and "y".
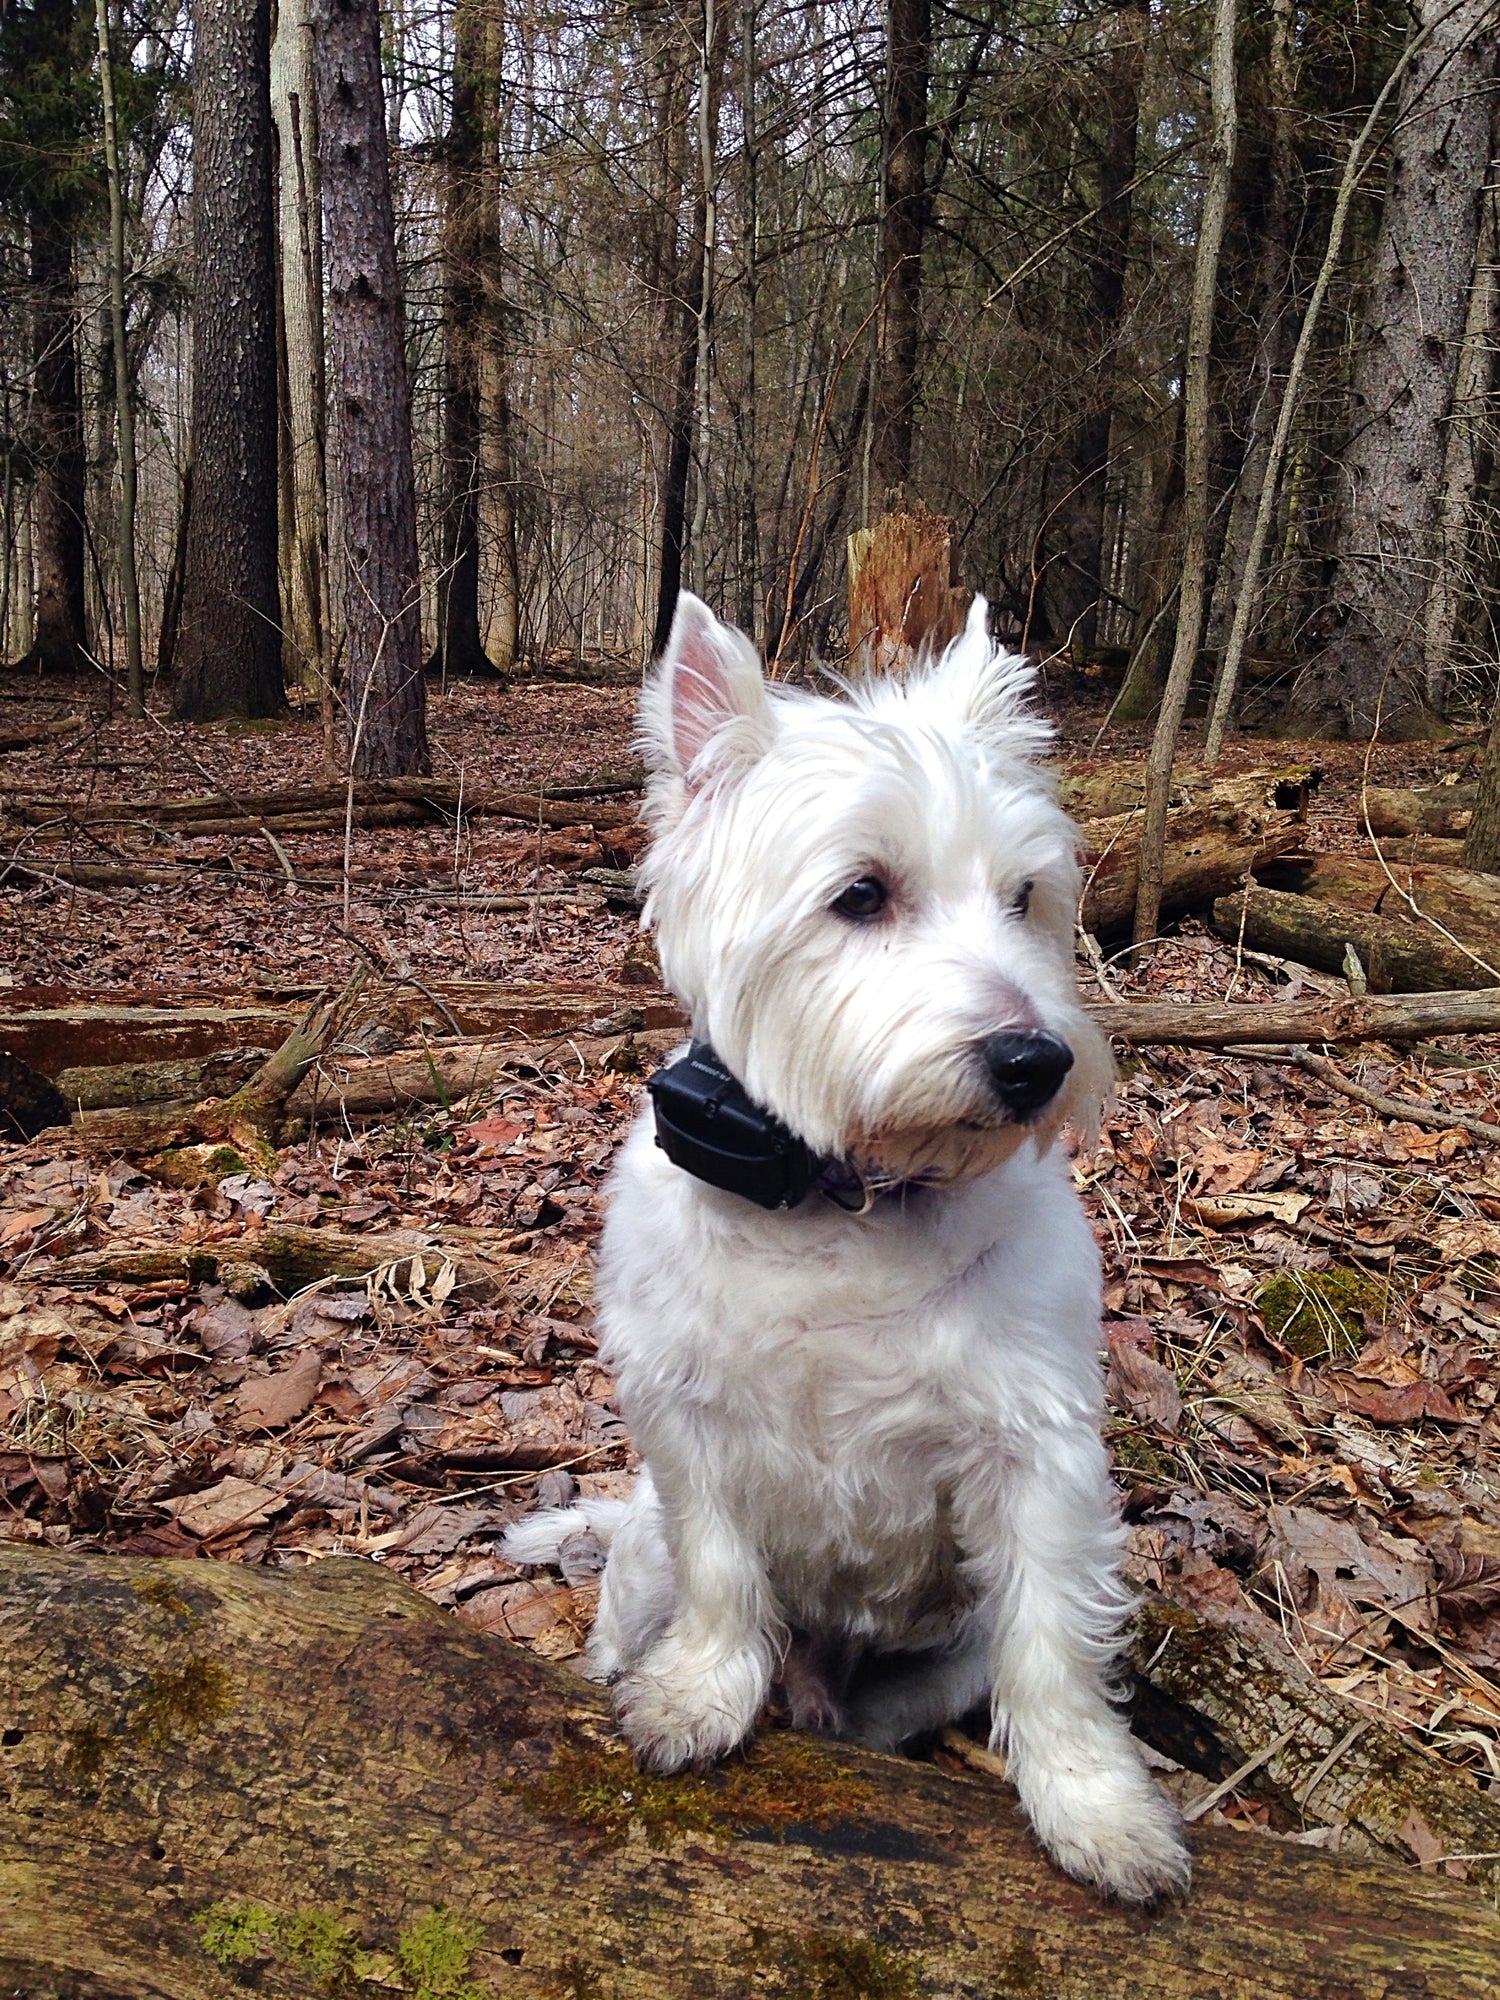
{"x": 498, "y": 1832}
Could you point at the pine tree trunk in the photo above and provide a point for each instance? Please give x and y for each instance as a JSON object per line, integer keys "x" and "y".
{"x": 378, "y": 579}
{"x": 459, "y": 647}
{"x": 903, "y": 226}
{"x": 1370, "y": 662}
{"x": 1075, "y": 578}
{"x": 304, "y": 500}
{"x": 229, "y": 641}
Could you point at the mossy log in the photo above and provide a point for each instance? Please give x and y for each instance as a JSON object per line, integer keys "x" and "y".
{"x": 307, "y": 1783}
{"x": 1464, "y": 901}
{"x": 1093, "y": 788}
{"x": 1397, "y": 956}
{"x": 1440, "y": 810}
{"x": 1219, "y": 1693}
{"x": 1211, "y": 848}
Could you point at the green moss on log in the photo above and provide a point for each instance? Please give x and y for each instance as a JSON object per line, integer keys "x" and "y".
{"x": 1323, "y": 1315}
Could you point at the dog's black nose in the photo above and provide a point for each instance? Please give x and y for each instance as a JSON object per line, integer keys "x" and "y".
{"x": 1026, "y": 1069}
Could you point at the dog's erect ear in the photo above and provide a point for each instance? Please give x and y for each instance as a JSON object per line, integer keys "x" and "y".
{"x": 707, "y": 688}
{"x": 988, "y": 689}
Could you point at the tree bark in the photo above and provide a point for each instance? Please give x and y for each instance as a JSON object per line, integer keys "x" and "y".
{"x": 379, "y": 582}
{"x": 59, "y": 625}
{"x": 1369, "y": 666}
{"x": 1397, "y": 957}
{"x": 903, "y": 226}
{"x": 316, "y": 1780}
{"x": 460, "y": 650}
{"x": 299, "y": 212}
{"x": 229, "y": 639}
{"x": 1075, "y": 576}
{"x": 497, "y": 493}
{"x": 135, "y": 672}
{"x": 1195, "y": 463}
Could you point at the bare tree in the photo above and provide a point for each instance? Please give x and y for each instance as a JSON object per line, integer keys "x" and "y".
{"x": 229, "y": 640}
{"x": 379, "y": 583}
{"x": 903, "y": 227}
{"x": 1404, "y": 376}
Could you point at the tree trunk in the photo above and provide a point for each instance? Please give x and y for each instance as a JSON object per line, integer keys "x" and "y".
{"x": 1075, "y": 576}
{"x": 229, "y": 638}
{"x": 1482, "y": 841}
{"x": 314, "y": 1780}
{"x": 59, "y": 623}
{"x": 903, "y": 225}
{"x": 1191, "y": 599}
{"x": 1369, "y": 666}
{"x": 378, "y": 578}
{"x": 497, "y": 493}
{"x": 299, "y": 205}
{"x": 135, "y": 672}
{"x": 460, "y": 650}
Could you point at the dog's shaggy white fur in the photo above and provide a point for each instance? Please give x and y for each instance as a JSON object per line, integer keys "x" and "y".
{"x": 873, "y": 1468}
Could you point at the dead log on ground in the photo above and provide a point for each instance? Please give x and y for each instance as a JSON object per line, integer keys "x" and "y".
{"x": 289, "y": 1256}
{"x": 41, "y": 732}
{"x": 314, "y": 1781}
{"x": 1396, "y": 1017}
{"x": 98, "y": 1032}
{"x": 1090, "y": 790}
{"x": 423, "y": 797}
{"x": 1397, "y": 957}
{"x": 1442, "y": 810}
{"x": 452, "y": 1071}
{"x": 1219, "y": 1693}
{"x": 1461, "y": 900}
{"x": 1211, "y": 846}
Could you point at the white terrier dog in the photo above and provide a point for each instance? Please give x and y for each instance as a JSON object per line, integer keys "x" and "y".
{"x": 869, "y": 1421}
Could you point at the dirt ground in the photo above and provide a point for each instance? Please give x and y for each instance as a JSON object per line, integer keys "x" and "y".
{"x": 1303, "y": 1319}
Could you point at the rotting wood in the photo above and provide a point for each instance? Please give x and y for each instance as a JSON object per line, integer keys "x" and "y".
{"x": 292, "y": 1256}
{"x": 1463, "y": 901}
{"x": 421, "y": 1784}
{"x": 41, "y": 732}
{"x": 95, "y": 1032}
{"x": 1375, "y": 1018}
{"x": 1211, "y": 847}
{"x": 1093, "y": 790}
{"x": 427, "y": 797}
{"x": 449, "y": 1072}
{"x": 1398, "y": 957}
{"x": 1222, "y": 1691}
{"x": 1440, "y": 810}
{"x": 904, "y": 599}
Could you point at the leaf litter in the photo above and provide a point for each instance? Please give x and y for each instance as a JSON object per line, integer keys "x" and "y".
{"x": 1302, "y": 1325}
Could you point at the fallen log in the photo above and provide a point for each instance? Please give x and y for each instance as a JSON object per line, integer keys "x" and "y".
{"x": 1219, "y": 1692}
{"x": 98, "y": 1032}
{"x": 425, "y": 797}
{"x": 1440, "y": 810}
{"x": 1211, "y": 848}
{"x": 314, "y": 1781}
{"x": 1397, "y": 956}
{"x": 1461, "y": 900}
{"x": 1091, "y": 789}
{"x": 290, "y": 1256}
{"x": 452, "y": 1071}
{"x": 41, "y": 732}
{"x": 1376, "y": 1018}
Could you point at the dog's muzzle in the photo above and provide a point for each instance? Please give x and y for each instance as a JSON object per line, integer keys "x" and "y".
{"x": 1026, "y": 1070}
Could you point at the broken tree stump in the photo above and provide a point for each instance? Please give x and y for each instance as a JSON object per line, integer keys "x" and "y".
{"x": 312, "y": 1781}
{"x": 904, "y": 599}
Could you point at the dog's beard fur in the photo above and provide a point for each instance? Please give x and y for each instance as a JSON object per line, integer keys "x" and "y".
{"x": 875, "y": 1434}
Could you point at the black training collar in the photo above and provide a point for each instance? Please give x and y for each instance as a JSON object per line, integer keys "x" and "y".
{"x": 707, "y": 1125}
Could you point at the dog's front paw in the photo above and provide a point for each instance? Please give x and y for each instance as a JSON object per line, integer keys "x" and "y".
{"x": 1106, "y": 1823}
{"x": 677, "y": 1709}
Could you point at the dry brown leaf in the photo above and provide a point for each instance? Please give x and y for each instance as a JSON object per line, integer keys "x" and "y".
{"x": 1417, "y": 1402}
{"x": 1228, "y": 1208}
{"x": 1141, "y": 1385}
{"x": 271, "y": 1402}
{"x": 233, "y": 1503}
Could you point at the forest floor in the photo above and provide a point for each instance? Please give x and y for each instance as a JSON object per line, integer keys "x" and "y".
{"x": 1303, "y": 1315}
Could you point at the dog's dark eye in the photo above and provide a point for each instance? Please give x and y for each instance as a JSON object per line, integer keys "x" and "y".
{"x": 863, "y": 899}
{"x": 1021, "y": 901}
